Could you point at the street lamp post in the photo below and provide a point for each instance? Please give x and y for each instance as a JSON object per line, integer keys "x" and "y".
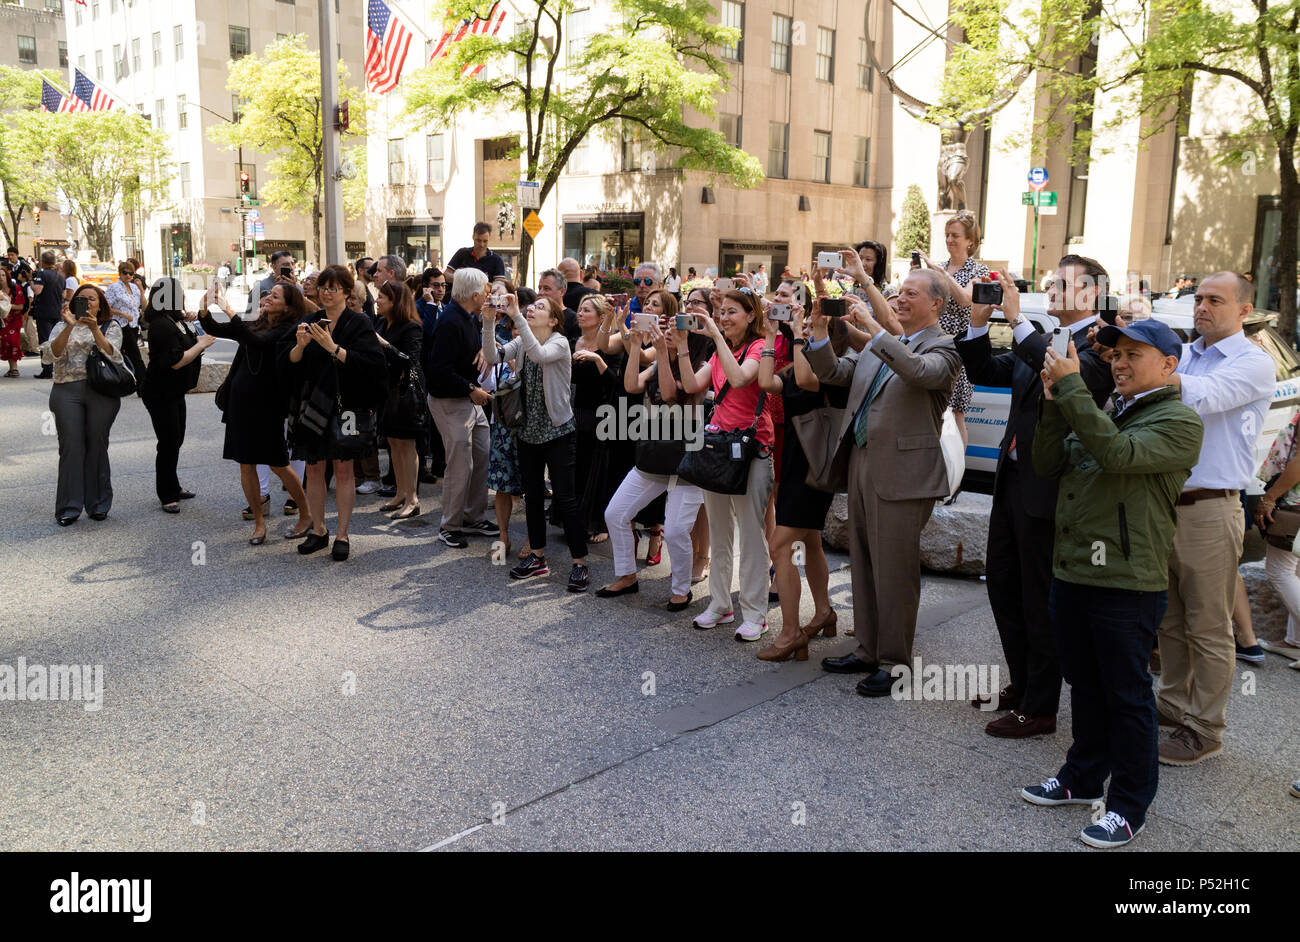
{"x": 332, "y": 172}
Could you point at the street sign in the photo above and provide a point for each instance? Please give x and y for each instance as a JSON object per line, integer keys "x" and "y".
{"x": 259, "y": 230}
{"x": 1038, "y": 199}
{"x": 254, "y": 214}
{"x": 532, "y": 224}
{"x": 528, "y": 194}
{"x": 1048, "y": 210}
{"x": 1037, "y": 178}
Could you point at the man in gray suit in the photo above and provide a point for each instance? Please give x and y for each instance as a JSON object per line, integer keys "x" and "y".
{"x": 890, "y": 459}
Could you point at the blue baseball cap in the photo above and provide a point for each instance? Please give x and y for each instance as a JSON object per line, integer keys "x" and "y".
{"x": 1149, "y": 331}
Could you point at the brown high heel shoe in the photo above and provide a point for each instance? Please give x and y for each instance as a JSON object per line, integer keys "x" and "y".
{"x": 827, "y": 626}
{"x": 797, "y": 649}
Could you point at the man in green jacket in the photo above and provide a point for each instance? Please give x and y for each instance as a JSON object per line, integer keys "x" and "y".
{"x": 1119, "y": 476}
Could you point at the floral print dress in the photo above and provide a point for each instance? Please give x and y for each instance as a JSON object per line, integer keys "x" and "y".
{"x": 955, "y": 318}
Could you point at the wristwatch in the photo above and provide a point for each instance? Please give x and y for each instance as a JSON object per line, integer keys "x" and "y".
{"x": 868, "y": 281}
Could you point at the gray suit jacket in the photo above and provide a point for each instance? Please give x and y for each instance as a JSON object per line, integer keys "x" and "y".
{"x": 906, "y": 416}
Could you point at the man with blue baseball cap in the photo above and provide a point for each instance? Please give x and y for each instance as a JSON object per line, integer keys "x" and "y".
{"x": 1120, "y": 476}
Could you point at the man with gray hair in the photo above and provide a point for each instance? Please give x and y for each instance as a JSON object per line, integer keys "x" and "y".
{"x": 389, "y": 268}
{"x": 551, "y": 285}
{"x": 456, "y": 403}
{"x": 646, "y": 278}
{"x": 890, "y": 463}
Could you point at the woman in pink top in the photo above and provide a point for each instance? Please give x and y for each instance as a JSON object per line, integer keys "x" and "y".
{"x": 737, "y": 335}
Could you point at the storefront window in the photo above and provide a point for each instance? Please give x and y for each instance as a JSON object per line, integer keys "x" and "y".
{"x": 417, "y": 244}
{"x": 607, "y": 242}
{"x": 177, "y": 249}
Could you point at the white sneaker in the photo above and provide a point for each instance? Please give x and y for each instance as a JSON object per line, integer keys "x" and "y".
{"x": 711, "y": 619}
{"x": 751, "y": 631}
{"x": 368, "y": 487}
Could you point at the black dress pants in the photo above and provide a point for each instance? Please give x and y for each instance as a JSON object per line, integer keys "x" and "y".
{"x": 167, "y": 412}
{"x": 1018, "y": 573}
{"x": 558, "y": 456}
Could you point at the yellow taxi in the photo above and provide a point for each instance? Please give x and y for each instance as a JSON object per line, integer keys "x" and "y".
{"x": 97, "y": 273}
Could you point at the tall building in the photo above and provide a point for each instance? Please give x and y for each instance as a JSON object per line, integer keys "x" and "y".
{"x": 168, "y": 60}
{"x": 799, "y": 100}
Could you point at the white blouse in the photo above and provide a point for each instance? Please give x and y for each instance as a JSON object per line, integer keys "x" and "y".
{"x": 71, "y": 367}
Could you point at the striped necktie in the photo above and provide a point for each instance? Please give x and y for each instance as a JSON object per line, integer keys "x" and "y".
{"x": 860, "y": 420}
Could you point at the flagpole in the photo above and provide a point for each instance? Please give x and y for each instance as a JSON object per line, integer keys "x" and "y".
{"x": 330, "y": 171}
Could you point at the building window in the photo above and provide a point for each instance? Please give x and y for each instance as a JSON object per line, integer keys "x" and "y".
{"x": 94, "y": 9}
{"x": 178, "y": 42}
{"x": 396, "y": 163}
{"x": 729, "y": 126}
{"x": 135, "y": 55}
{"x": 63, "y": 54}
{"x": 112, "y": 6}
{"x": 182, "y": 116}
{"x": 822, "y": 156}
{"x": 237, "y": 106}
{"x": 579, "y": 33}
{"x": 825, "y": 54}
{"x": 157, "y": 50}
{"x": 866, "y": 74}
{"x": 631, "y": 150}
{"x": 160, "y": 114}
{"x": 78, "y": 11}
{"x": 185, "y": 181}
{"x": 433, "y": 154}
{"x": 861, "y": 161}
{"x": 27, "y": 50}
{"x": 99, "y": 65}
{"x": 81, "y": 63}
{"x": 781, "y": 42}
{"x": 733, "y": 15}
{"x": 239, "y": 44}
{"x": 119, "y": 63}
{"x": 778, "y": 149}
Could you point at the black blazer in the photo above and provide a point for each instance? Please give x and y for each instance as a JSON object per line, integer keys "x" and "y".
{"x": 362, "y": 378}
{"x": 1019, "y": 369}
{"x": 168, "y": 341}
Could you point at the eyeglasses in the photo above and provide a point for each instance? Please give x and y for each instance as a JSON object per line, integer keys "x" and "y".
{"x": 643, "y": 281}
{"x": 437, "y": 284}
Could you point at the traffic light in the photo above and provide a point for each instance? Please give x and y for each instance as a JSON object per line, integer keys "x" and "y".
{"x": 243, "y": 182}
{"x": 36, "y": 213}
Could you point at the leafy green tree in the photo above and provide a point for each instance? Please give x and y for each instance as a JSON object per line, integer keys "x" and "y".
{"x": 913, "y": 224}
{"x": 20, "y": 91}
{"x": 104, "y": 164}
{"x": 282, "y": 116}
{"x": 641, "y": 78}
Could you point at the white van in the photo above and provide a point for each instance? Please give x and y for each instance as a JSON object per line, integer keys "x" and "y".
{"x": 987, "y": 417}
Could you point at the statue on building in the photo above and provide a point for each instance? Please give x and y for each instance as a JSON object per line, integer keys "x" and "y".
{"x": 953, "y": 162}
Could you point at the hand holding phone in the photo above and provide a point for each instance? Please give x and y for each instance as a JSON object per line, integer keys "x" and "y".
{"x": 1061, "y": 341}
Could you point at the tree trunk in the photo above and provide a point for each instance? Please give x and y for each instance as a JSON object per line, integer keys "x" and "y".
{"x": 15, "y": 217}
{"x": 525, "y": 252}
{"x": 1287, "y": 249}
{"x": 316, "y": 216}
{"x": 100, "y": 237}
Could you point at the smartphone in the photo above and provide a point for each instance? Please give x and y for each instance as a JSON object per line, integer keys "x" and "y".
{"x": 1108, "y": 309}
{"x": 1061, "y": 340}
{"x": 830, "y": 260}
{"x": 689, "y": 322}
{"x": 644, "y": 322}
{"x": 497, "y": 302}
{"x": 916, "y": 259}
{"x": 81, "y": 306}
{"x": 801, "y": 294}
{"x": 982, "y": 293}
{"x": 723, "y": 284}
{"x": 286, "y": 271}
{"x": 833, "y": 307}
{"x": 617, "y": 300}
{"x": 780, "y": 312}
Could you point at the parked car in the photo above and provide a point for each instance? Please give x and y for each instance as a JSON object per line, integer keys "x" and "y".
{"x": 986, "y": 419}
{"x": 97, "y": 273}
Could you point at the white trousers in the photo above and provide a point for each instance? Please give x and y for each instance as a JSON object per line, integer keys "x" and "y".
{"x": 1283, "y": 571}
{"x": 747, "y": 510}
{"x": 636, "y": 492}
{"x": 264, "y": 474}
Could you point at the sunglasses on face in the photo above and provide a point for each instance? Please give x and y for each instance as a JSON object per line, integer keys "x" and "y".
{"x": 643, "y": 281}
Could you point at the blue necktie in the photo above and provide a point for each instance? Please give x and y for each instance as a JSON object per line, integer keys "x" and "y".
{"x": 860, "y": 420}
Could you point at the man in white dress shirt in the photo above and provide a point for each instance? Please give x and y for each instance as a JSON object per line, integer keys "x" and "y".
{"x": 1228, "y": 380}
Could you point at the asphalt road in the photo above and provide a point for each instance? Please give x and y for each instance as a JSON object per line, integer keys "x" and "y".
{"x": 413, "y": 698}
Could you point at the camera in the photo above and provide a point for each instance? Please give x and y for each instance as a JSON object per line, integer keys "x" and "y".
{"x": 81, "y": 306}
{"x": 644, "y": 322}
{"x": 780, "y": 312}
{"x": 617, "y": 300}
{"x": 829, "y": 260}
{"x": 833, "y": 307}
{"x": 916, "y": 259}
{"x": 689, "y": 322}
{"x": 985, "y": 293}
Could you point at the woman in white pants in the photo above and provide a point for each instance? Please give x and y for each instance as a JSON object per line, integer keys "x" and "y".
{"x": 661, "y": 383}
{"x": 1282, "y": 469}
{"x": 738, "y": 341}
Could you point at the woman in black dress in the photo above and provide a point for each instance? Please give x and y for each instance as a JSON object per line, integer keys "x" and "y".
{"x": 175, "y": 355}
{"x": 800, "y": 508}
{"x": 333, "y": 355}
{"x": 256, "y": 401}
{"x": 596, "y": 379}
{"x": 401, "y": 335}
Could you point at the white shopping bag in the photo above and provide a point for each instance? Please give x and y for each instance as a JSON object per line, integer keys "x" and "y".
{"x": 954, "y": 452}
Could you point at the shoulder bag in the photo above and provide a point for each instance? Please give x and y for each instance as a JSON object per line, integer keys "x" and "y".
{"x": 508, "y": 400}
{"x": 107, "y": 377}
{"x": 659, "y": 456}
{"x": 817, "y": 432}
{"x": 405, "y": 406}
{"x": 721, "y": 464}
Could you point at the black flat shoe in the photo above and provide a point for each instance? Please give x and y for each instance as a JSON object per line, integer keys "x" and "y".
{"x": 406, "y": 514}
{"x": 340, "y": 550}
{"x": 678, "y": 606}
{"x": 99, "y": 515}
{"x": 608, "y": 593}
{"x": 66, "y": 521}
{"x": 187, "y": 495}
{"x": 314, "y": 542}
{"x": 849, "y": 664}
{"x": 257, "y": 540}
{"x": 878, "y": 684}
{"x": 171, "y": 508}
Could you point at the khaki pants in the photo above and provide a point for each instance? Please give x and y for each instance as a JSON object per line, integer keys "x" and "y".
{"x": 464, "y": 429}
{"x": 1197, "y": 652}
{"x": 747, "y": 511}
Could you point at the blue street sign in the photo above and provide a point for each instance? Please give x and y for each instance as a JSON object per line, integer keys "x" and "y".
{"x": 1038, "y": 177}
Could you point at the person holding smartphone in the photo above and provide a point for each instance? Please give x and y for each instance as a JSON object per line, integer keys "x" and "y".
{"x": 83, "y": 416}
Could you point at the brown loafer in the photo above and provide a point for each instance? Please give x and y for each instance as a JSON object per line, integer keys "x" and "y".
{"x": 1185, "y": 747}
{"x": 1018, "y": 726}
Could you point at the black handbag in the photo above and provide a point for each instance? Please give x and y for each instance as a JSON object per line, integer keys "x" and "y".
{"x": 721, "y": 464}
{"x": 351, "y": 433}
{"x": 107, "y": 377}
{"x": 508, "y": 401}
{"x": 406, "y": 406}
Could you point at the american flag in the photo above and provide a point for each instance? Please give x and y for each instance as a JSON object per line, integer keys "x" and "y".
{"x": 90, "y": 94}
{"x": 54, "y": 100}
{"x": 479, "y": 26}
{"x": 387, "y": 42}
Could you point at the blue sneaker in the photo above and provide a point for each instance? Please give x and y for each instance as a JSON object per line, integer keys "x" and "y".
{"x": 1053, "y": 792}
{"x": 1110, "y": 831}
{"x": 1295, "y": 789}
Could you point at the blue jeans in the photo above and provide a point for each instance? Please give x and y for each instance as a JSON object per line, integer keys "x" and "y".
{"x": 1104, "y": 638}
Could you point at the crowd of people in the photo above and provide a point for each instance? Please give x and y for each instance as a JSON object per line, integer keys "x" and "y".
{"x": 1117, "y": 518}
